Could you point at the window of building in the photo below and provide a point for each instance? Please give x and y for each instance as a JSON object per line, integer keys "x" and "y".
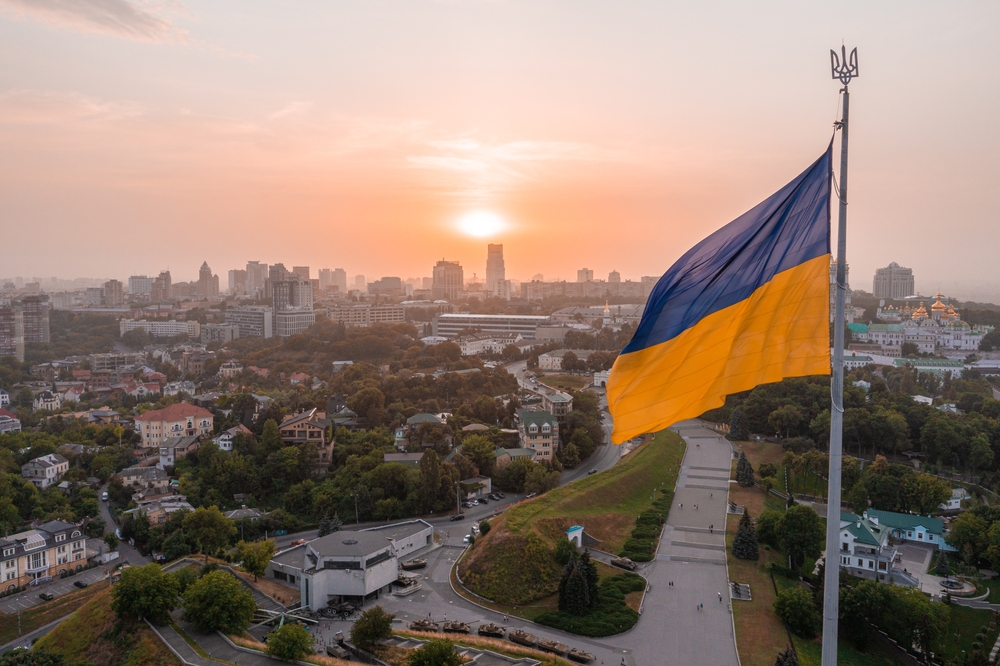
{"x": 60, "y": 537}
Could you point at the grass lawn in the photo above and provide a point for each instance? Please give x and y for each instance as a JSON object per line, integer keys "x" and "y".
{"x": 810, "y": 654}
{"x": 93, "y": 635}
{"x": 566, "y": 382}
{"x": 48, "y": 611}
{"x": 606, "y": 504}
{"x": 965, "y": 624}
{"x": 493, "y": 644}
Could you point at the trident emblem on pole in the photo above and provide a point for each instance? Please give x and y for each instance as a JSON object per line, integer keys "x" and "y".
{"x": 842, "y": 69}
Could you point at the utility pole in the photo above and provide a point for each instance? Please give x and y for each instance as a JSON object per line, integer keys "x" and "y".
{"x": 843, "y": 70}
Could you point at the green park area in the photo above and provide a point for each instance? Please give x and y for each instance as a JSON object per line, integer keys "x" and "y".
{"x": 519, "y": 563}
{"x": 566, "y": 382}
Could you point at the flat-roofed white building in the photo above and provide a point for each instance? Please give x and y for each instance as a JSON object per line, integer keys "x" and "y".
{"x": 450, "y": 325}
{"x": 349, "y": 565}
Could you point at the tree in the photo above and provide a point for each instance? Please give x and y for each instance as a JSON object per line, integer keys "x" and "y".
{"x": 565, "y": 551}
{"x": 744, "y": 471}
{"x": 218, "y": 601}
{"x": 145, "y": 592}
{"x": 33, "y": 657}
{"x": 737, "y": 426}
{"x": 786, "y": 419}
{"x": 256, "y": 555}
{"x": 787, "y": 658}
{"x": 369, "y": 403}
{"x": 325, "y": 526}
{"x": 479, "y": 450}
{"x": 574, "y": 595}
{"x": 967, "y": 535}
{"x": 796, "y": 609}
{"x": 209, "y": 529}
{"x": 590, "y": 574}
{"x": 111, "y": 540}
{"x": 768, "y": 525}
{"x": 290, "y": 642}
{"x": 941, "y": 568}
{"x": 270, "y": 438}
{"x": 745, "y": 541}
{"x": 801, "y": 534}
{"x": 373, "y": 626}
{"x": 909, "y": 350}
{"x": 980, "y": 452}
{"x": 484, "y": 527}
{"x": 435, "y": 653}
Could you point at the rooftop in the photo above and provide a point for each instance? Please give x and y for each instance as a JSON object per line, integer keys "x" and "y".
{"x": 178, "y": 412}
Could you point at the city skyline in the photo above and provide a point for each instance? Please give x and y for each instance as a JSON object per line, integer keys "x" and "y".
{"x": 230, "y": 127}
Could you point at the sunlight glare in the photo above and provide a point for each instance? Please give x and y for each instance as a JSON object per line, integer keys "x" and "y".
{"x": 481, "y": 223}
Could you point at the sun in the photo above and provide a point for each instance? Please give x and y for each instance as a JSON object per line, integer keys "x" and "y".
{"x": 481, "y": 223}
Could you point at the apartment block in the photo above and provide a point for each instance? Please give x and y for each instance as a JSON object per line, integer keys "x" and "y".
{"x": 252, "y": 321}
{"x": 41, "y": 553}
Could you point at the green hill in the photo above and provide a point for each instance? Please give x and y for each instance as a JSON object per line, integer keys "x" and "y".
{"x": 515, "y": 563}
{"x": 94, "y": 635}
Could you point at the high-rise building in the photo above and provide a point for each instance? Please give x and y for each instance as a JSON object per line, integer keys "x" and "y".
{"x": 278, "y": 273}
{"x": 585, "y": 275}
{"x": 495, "y": 271}
{"x": 161, "y": 289}
{"x": 289, "y": 294}
{"x": 114, "y": 293}
{"x": 253, "y": 322}
{"x": 614, "y": 277}
{"x": 302, "y": 272}
{"x": 340, "y": 280}
{"x": 12, "y": 333}
{"x": 208, "y": 283}
{"x": 833, "y": 291}
{"x": 360, "y": 284}
{"x": 387, "y": 286}
{"x": 893, "y": 281}
{"x": 449, "y": 280}
{"x": 256, "y": 279}
{"x": 140, "y": 285}
{"x": 237, "y": 282}
{"x": 325, "y": 278}
{"x": 35, "y": 317}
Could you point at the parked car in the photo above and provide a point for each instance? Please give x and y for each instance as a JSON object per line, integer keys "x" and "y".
{"x": 46, "y": 596}
{"x": 457, "y": 516}
{"x": 466, "y": 539}
{"x": 593, "y": 471}
{"x": 80, "y": 583}
{"x": 483, "y": 500}
{"x": 501, "y": 495}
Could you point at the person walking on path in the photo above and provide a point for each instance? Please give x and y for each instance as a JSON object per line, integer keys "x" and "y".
{"x": 720, "y": 597}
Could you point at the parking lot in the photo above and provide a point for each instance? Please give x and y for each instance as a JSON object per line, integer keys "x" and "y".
{"x": 55, "y": 587}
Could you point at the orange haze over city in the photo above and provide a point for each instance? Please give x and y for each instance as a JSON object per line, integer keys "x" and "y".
{"x": 138, "y": 137}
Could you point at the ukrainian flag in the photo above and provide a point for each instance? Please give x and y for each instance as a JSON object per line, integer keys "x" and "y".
{"x": 748, "y": 305}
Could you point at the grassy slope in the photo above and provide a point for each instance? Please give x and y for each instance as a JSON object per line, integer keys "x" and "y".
{"x": 566, "y": 382}
{"x": 606, "y": 504}
{"x": 90, "y": 636}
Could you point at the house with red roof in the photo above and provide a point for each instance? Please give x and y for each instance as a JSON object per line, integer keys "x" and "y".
{"x": 180, "y": 420}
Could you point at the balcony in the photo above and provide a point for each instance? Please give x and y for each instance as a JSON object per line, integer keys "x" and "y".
{"x": 39, "y": 569}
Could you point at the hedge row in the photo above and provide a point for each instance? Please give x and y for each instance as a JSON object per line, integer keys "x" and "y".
{"x": 610, "y": 616}
{"x": 641, "y": 544}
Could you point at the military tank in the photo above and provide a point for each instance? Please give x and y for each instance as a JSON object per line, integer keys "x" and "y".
{"x": 492, "y": 630}
{"x": 554, "y": 647}
{"x": 624, "y": 563}
{"x": 580, "y": 656}
{"x": 414, "y": 564}
{"x": 423, "y": 625}
{"x": 522, "y": 638}
{"x": 456, "y": 628}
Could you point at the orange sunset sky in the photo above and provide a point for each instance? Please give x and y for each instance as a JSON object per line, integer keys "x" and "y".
{"x": 139, "y": 136}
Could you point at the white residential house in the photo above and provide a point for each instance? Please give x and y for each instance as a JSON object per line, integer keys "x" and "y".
{"x": 954, "y": 503}
{"x": 225, "y": 439}
{"x": 46, "y": 470}
{"x": 910, "y": 527}
{"x": 4, "y": 398}
{"x": 174, "y": 448}
{"x": 865, "y": 547}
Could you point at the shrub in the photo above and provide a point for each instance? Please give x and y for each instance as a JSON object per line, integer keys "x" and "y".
{"x": 608, "y": 617}
{"x": 767, "y": 469}
{"x": 290, "y": 642}
{"x": 795, "y": 607}
{"x": 564, "y": 551}
{"x": 435, "y": 653}
{"x": 767, "y": 527}
{"x": 484, "y": 527}
{"x": 219, "y": 602}
{"x": 373, "y": 626}
{"x": 787, "y": 658}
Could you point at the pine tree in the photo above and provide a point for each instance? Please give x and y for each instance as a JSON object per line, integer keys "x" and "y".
{"x": 577, "y": 593}
{"x": 335, "y": 522}
{"x": 744, "y": 471}
{"x": 590, "y": 574}
{"x": 567, "y": 570}
{"x": 942, "y": 569}
{"x": 325, "y": 526}
{"x": 737, "y": 426}
{"x": 787, "y": 658}
{"x": 745, "y": 541}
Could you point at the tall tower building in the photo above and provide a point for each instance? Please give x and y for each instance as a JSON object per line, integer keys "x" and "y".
{"x": 12, "y": 333}
{"x": 114, "y": 293}
{"x": 140, "y": 285}
{"x": 237, "y": 281}
{"x": 893, "y": 281}
{"x": 360, "y": 284}
{"x": 495, "y": 271}
{"x": 340, "y": 280}
{"x": 256, "y": 279}
{"x": 585, "y": 275}
{"x": 208, "y": 284}
{"x": 302, "y": 272}
{"x": 35, "y": 317}
{"x": 325, "y": 278}
{"x": 614, "y": 277}
{"x": 161, "y": 289}
{"x": 449, "y": 281}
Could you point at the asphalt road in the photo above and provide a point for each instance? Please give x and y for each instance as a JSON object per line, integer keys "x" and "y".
{"x": 129, "y": 553}
{"x": 57, "y": 586}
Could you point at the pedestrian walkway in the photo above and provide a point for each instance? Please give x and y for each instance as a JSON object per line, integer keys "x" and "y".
{"x": 687, "y": 620}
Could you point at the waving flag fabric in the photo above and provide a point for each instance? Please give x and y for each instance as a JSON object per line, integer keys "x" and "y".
{"x": 748, "y": 305}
